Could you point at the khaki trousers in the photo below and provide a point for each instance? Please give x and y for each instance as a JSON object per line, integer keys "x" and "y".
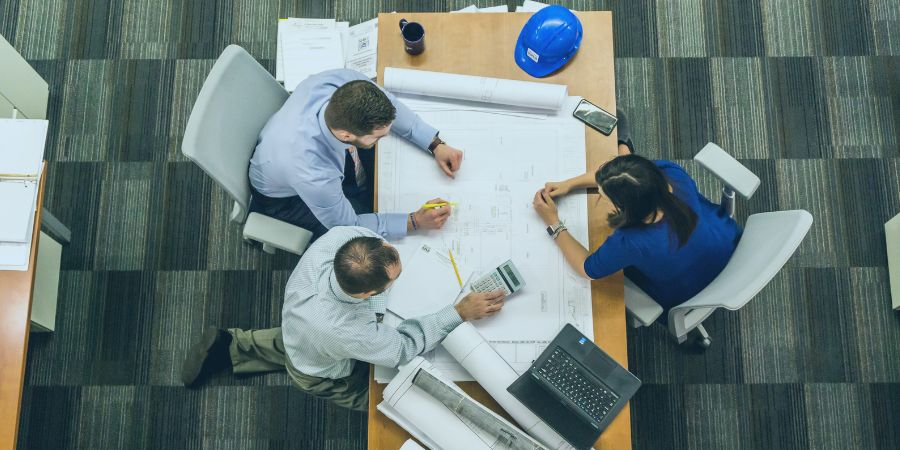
{"x": 255, "y": 351}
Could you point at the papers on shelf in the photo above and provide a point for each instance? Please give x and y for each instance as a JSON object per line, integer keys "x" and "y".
{"x": 531, "y": 6}
{"x": 310, "y": 46}
{"x": 21, "y": 147}
{"x": 489, "y": 9}
{"x": 426, "y": 284}
{"x": 361, "y": 47}
{"x": 21, "y": 155}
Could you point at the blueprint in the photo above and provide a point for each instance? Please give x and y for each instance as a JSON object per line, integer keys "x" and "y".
{"x": 508, "y": 157}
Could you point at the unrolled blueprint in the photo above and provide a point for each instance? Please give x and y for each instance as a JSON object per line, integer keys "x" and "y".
{"x": 508, "y": 157}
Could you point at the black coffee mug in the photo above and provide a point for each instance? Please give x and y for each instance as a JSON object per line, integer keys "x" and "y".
{"x": 413, "y": 36}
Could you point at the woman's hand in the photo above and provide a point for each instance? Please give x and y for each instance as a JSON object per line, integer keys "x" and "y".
{"x": 557, "y": 188}
{"x": 546, "y": 207}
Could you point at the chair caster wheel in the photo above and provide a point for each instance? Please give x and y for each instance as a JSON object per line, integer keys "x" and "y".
{"x": 703, "y": 343}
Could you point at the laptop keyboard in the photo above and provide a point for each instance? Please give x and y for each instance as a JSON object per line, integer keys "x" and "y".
{"x": 564, "y": 373}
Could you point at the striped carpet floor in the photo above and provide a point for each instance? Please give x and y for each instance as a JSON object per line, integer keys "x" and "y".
{"x": 805, "y": 92}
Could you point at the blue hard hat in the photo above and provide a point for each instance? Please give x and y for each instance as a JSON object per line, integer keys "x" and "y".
{"x": 548, "y": 41}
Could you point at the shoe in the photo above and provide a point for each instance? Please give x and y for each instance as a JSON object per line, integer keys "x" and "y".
{"x": 207, "y": 356}
{"x": 624, "y": 131}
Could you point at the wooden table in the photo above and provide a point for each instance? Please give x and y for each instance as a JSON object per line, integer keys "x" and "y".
{"x": 482, "y": 44}
{"x": 15, "y": 319}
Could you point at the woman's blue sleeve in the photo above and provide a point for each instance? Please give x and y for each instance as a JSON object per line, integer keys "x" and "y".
{"x": 612, "y": 256}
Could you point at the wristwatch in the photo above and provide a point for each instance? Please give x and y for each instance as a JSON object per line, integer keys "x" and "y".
{"x": 434, "y": 144}
{"x": 554, "y": 230}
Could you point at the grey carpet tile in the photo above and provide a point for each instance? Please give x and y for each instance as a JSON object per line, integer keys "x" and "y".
{"x": 125, "y": 215}
{"x": 826, "y": 243}
{"x": 809, "y": 363}
{"x": 877, "y": 328}
{"x": 838, "y": 416}
{"x": 885, "y": 413}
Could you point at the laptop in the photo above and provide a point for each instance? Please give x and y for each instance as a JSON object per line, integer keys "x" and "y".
{"x": 575, "y": 387}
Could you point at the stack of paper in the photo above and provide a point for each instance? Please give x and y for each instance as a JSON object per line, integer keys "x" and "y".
{"x": 489, "y": 9}
{"x": 21, "y": 154}
{"x": 310, "y": 46}
{"x": 531, "y": 6}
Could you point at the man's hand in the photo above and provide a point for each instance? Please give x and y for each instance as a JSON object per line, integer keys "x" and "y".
{"x": 448, "y": 158}
{"x": 477, "y": 305}
{"x": 557, "y": 188}
{"x": 432, "y": 218}
{"x": 546, "y": 207}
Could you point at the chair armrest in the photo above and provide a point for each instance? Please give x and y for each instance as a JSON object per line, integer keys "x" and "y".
{"x": 276, "y": 233}
{"x": 641, "y": 307}
{"x": 728, "y": 169}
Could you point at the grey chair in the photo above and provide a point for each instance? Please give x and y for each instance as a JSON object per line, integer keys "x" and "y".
{"x": 236, "y": 100}
{"x": 768, "y": 241}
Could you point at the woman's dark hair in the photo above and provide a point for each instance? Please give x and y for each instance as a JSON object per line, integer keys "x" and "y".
{"x": 361, "y": 265}
{"x": 638, "y": 189}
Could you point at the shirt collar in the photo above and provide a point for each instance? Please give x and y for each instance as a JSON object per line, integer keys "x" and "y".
{"x": 330, "y": 139}
{"x": 338, "y": 293}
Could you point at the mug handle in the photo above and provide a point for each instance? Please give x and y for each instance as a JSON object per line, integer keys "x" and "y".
{"x": 403, "y": 23}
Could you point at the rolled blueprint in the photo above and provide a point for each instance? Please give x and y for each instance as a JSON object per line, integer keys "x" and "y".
{"x": 502, "y": 91}
{"x": 493, "y": 373}
{"x": 474, "y": 414}
{"x": 428, "y": 416}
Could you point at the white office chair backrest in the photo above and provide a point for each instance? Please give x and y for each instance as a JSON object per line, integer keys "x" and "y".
{"x": 768, "y": 242}
{"x": 237, "y": 99}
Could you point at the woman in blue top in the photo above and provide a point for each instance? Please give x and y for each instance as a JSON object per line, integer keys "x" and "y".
{"x": 670, "y": 240}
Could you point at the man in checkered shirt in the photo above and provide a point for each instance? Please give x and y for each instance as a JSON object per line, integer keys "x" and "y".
{"x": 331, "y": 325}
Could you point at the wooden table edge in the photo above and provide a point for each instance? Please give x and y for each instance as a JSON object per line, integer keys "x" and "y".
{"x": 9, "y": 437}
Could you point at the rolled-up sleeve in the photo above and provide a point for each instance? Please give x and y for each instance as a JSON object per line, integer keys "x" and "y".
{"x": 325, "y": 198}
{"x": 390, "y": 347}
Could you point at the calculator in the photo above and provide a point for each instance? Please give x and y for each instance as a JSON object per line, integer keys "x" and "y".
{"x": 505, "y": 278}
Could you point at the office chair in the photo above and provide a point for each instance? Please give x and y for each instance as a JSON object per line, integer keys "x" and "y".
{"x": 234, "y": 104}
{"x": 768, "y": 241}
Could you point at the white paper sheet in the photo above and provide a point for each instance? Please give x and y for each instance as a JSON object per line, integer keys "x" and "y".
{"x": 530, "y": 94}
{"x": 531, "y": 6}
{"x": 392, "y": 414}
{"x": 494, "y": 374}
{"x": 294, "y": 25}
{"x": 494, "y": 9}
{"x": 15, "y": 255}
{"x": 411, "y": 445}
{"x": 17, "y": 204}
{"x": 309, "y": 53}
{"x": 507, "y": 159}
{"x": 426, "y": 284}
{"x": 361, "y": 48}
{"x": 22, "y": 146}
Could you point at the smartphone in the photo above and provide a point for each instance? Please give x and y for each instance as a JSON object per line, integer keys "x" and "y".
{"x": 595, "y": 117}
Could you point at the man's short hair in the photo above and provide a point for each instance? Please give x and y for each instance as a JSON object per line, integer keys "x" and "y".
{"x": 359, "y": 107}
{"x": 361, "y": 264}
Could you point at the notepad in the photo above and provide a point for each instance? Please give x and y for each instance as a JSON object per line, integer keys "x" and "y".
{"x": 426, "y": 284}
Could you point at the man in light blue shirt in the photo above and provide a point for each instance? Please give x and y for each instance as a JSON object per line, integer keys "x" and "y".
{"x": 313, "y": 166}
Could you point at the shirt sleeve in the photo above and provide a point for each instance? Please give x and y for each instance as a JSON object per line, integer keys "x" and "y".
{"x": 410, "y": 126}
{"x": 325, "y": 198}
{"x": 390, "y": 347}
{"x": 612, "y": 256}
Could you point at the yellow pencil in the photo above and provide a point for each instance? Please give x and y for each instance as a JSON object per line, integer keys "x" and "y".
{"x": 438, "y": 205}
{"x": 455, "y": 269}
